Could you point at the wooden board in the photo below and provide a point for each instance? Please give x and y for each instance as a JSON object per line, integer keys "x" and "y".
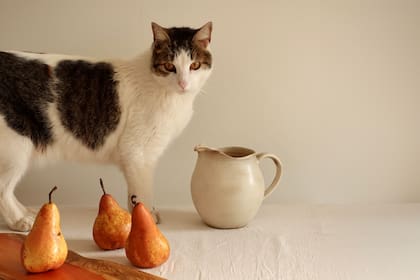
{"x": 75, "y": 267}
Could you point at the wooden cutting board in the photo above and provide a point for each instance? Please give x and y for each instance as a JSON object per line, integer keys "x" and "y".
{"x": 75, "y": 267}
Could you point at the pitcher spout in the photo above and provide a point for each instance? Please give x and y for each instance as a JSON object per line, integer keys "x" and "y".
{"x": 202, "y": 148}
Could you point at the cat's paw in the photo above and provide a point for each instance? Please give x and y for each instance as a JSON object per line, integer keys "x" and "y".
{"x": 23, "y": 224}
{"x": 156, "y": 215}
{"x": 154, "y": 211}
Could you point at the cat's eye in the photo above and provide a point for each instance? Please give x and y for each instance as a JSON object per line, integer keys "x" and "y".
{"x": 195, "y": 65}
{"x": 169, "y": 67}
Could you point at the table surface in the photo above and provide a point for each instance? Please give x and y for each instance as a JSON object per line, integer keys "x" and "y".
{"x": 282, "y": 242}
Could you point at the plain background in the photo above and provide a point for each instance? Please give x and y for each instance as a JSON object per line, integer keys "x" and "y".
{"x": 331, "y": 87}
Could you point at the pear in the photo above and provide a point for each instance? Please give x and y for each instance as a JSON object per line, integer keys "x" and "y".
{"x": 112, "y": 224}
{"x": 146, "y": 247}
{"x": 45, "y": 247}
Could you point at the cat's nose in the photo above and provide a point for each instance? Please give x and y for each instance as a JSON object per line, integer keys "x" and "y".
{"x": 182, "y": 83}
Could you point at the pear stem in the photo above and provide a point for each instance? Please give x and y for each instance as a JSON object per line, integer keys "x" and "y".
{"x": 133, "y": 200}
{"x": 50, "y": 193}
{"x": 102, "y": 185}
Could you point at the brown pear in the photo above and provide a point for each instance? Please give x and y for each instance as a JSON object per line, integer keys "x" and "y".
{"x": 45, "y": 247}
{"x": 146, "y": 247}
{"x": 112, "y": 224}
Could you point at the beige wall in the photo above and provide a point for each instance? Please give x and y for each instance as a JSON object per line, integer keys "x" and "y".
{"x": 331, "y": 87}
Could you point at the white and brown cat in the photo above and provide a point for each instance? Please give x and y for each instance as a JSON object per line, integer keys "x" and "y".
{"x": 56, "y": 107}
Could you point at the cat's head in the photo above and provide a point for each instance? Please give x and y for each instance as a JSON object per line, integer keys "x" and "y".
{"x": 181, "y": 59}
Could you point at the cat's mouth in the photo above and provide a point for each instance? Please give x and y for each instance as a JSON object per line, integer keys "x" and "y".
{"x": 182, "y": 88}
{"x": 182, "y": 91}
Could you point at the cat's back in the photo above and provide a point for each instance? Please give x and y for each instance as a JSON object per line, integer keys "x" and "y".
{"x": 34, "y": 69}
{"x": 22, "y": 65}
{"x": 24, "y": 95}
{"x": 83, "y": 90}
{"x": 50, "y": 59}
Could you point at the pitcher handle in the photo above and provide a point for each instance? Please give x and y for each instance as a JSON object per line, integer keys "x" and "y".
{"x": 276, "y": 179}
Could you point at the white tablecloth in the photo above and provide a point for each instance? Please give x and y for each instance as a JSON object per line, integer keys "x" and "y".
{"x": 282, "y": 242}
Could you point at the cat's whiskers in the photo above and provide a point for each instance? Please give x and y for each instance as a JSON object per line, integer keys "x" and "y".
{"x": 202, "y": 92}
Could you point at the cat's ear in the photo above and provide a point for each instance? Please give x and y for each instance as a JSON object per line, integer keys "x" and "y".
{"x": 159, "y": 33}
{"x": 203, "y": 35}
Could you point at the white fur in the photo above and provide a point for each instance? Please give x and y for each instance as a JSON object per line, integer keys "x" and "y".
{"x": 154, "y": 110}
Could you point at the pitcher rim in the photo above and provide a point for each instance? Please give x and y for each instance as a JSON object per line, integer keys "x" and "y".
{"x": 247, "y": 152}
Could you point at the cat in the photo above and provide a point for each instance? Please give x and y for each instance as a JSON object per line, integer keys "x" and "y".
{"x": 123, "y": 112}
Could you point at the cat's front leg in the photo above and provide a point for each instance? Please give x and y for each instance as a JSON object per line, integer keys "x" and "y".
{"x": 16, "y": 216}
{"x": 139, "y": 179}
{"x": 14, "y": 159}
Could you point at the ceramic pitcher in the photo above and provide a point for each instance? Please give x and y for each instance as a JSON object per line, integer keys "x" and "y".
{"x": 227, "y": 185}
